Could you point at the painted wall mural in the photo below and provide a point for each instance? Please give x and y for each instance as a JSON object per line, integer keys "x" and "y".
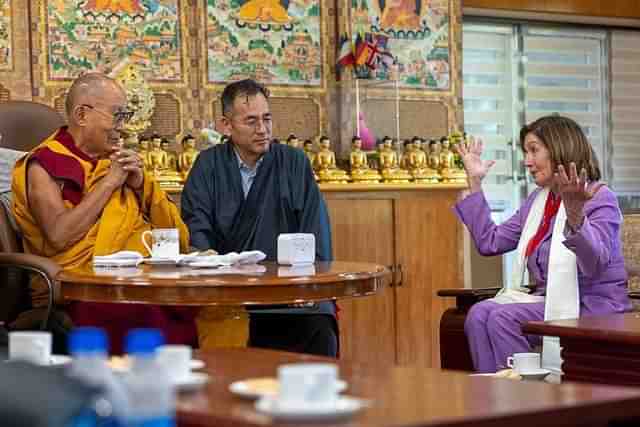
{"x": 97, "y": 35}
{"x": 6, "y": 42}
{"x": 274, "y": 41}
{"x": 418, "y": 37}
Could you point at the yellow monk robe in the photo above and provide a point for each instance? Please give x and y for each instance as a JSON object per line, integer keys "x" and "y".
{"x": 125, "y": 217}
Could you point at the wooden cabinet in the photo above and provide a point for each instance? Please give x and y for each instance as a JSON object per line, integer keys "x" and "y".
{"x": 413, "y": 231}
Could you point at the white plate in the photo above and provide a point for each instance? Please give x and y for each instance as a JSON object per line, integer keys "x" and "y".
{"x": 344, "y": 407}
{"x": 536, "y": 374}
{"x": 160, "y": 261}
{"x": 245, "y": 389}
{"x": 123, "y": 364}
{"x": 194, "y": 381}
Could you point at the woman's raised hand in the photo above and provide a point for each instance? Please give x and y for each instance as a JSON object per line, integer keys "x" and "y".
{"x": 475, "y": 167}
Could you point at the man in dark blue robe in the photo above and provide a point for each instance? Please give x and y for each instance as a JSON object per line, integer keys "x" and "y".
{"x": 241, "y": 195}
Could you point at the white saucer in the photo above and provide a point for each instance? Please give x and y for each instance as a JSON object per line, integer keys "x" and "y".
{"x": 344, "y": 407}
{"x": 535, "y": 374}
{"x": 59, "y": 359}
{"x": 244, "y": 388}
{"x": 194, "y": 381}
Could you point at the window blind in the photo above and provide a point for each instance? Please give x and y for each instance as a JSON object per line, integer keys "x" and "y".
{"x": 565, "y": 73}
{"x": 625, "y": 112}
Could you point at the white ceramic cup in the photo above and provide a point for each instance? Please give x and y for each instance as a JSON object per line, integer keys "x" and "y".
{"x": 305, "y": 384}
{"x": 30, "y": 346}
{"x": 524, "y": 362}
{"x": 165, "y": 242}
{"x": 175, "y": 360}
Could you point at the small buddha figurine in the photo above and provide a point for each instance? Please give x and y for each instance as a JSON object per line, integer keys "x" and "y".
{"x": 293, "y": 141}
{"x": 389, "y": 165}
{"x": 311, "y": 155}
{"x": 308, "y": 150}
{"x": 448, "y": 168}
{"x": 187, "y": 158}
{"x": 172, "y": 155}
{"x": 433, "y": 158}
{"x": 418, "y": 165}
{"x": 143, "y": 150}
{"x": 360, "y": 170}
{"x": 403, "y": 156}
{"x": 325, "y": 165}
{"x": 158, "y": 160}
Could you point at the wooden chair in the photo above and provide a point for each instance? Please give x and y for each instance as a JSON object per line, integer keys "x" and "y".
{"x": 23, "y": 125}
{"x": 454, "y": 349}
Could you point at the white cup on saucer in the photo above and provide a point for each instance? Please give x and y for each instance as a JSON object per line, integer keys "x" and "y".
{"x": 524, "y": 363}
{"x": 30, "y": 346}
{"x": 165, "y": 242}
{"x": 308, "y": 384}
{"x": 175, "y": 360}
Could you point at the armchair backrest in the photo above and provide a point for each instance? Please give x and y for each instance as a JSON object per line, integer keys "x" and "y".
{"x": 631, "y": 248}
{"x": 24, "y": 124}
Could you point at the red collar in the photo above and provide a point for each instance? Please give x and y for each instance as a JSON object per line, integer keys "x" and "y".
{"x": 65, "y": 138}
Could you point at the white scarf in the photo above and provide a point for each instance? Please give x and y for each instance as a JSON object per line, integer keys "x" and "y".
{"x": 563, "y": 294}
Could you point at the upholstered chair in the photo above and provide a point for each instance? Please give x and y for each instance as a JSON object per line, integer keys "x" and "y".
{"x": 22, "y": 126}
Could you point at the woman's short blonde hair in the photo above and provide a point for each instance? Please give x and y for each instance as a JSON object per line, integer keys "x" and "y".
{"x": 566, "y": 143}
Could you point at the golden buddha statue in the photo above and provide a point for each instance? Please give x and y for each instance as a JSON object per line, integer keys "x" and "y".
{"x": 389, "y": 165}
{"x": 160, "y": 166}
{"x": 143, "y": 150}
{"x": 360, "y": 170}
{"x": 293, "y": 141}
{"x": 325, "y": 165}
{"x": 172, "y": 155}
{"x": 157, "y": 158}
{"x": 448, "y": 168}
{"x": 308, "y": 150}
{"x": 311, "y": 155}
{"x": 187, "y": 158}
{"x": 418, "y": 165}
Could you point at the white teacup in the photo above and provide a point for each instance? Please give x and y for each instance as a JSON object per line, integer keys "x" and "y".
{"x": 305, "y": 384}
{"x": 165, "y": 242}
{"x": 175, "y": 360}
{"x": 523, "y": 363}
{"x": 30, "y": 346}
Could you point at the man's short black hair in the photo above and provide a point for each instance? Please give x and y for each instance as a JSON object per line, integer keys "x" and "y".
{"x": 247, "y": 88}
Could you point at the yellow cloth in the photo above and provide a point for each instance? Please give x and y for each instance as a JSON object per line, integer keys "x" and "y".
{"x": 222, "y": 327}
{"x": 120, "y": 227}
{"x": 264, "y": 11}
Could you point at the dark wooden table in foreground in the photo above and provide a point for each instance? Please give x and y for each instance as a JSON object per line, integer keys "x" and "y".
{"x": 410, "y": 396}
{"x": 602, "y": 349}
{"x": 264, "y": 283}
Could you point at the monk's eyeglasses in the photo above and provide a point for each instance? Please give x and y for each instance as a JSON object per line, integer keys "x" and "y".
{"x": 119, "y": 117}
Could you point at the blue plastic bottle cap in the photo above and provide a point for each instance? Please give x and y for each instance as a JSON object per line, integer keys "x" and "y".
{"x": 87, "y": 340}
{"x": 143, "y": 341}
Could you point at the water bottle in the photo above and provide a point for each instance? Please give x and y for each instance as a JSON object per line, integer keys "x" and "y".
{"x": 88, "y": 346}
{"x": 150, "y": 393}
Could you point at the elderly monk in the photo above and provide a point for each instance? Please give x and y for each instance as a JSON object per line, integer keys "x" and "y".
{"x": 79, "y": 194}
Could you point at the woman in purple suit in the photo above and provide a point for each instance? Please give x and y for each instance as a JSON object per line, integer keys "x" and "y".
{"x": 587, "y": 240}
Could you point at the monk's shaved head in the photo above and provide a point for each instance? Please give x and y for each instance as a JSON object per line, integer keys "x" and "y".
{"x": 88, "y": 88}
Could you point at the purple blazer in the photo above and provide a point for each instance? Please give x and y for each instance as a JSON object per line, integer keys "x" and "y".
{"x": 601, "y": 274}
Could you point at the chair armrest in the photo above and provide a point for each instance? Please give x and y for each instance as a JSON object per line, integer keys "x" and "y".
{"x": 40, "y": 265}
{"x": 465, "y": 298}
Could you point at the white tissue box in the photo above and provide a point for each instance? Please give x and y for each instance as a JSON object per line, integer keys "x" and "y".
{"x": 296, "y": 248}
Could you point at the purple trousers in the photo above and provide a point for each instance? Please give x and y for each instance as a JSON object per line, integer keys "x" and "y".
{"x": 494, "y": 332}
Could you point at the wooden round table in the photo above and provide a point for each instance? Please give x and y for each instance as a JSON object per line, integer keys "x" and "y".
{"x": 264, "y": 283}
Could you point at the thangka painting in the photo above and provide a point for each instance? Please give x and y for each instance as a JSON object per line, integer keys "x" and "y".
{"x": 6, "y": 62}
{"x": 416, "y": 34}
{"x": 97, "y": 35}
{"x": 278, "y": 42}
